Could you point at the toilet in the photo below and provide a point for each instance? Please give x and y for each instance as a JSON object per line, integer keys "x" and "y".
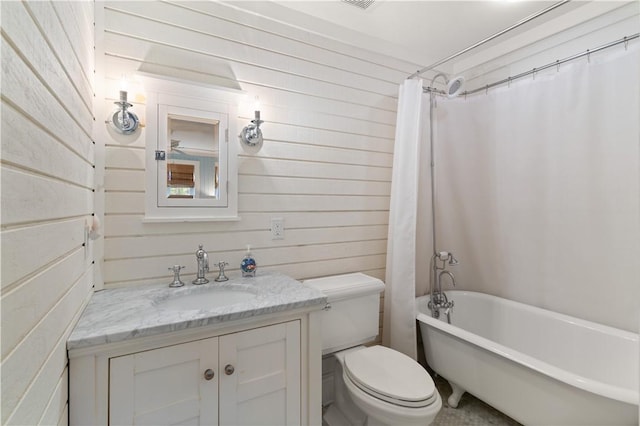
{"x": 371, "y": 385}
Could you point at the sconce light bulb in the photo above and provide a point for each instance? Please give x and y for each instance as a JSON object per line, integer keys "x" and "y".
{"x": 257, "y": 115}
{"x": 123, "y": 83}
{"x": 123, "y": 96}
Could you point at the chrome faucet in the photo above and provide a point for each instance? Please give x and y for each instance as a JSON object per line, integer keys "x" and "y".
{"x": 221, "y": 276}
{"x": 450, "y": 274}
{"x": 438, "y": 299}
{"x": 203, "y": 266}
{"x": 177, "y": 282}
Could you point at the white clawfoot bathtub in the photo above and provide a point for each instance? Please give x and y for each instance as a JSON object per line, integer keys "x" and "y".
{"x": 537, "y": 366}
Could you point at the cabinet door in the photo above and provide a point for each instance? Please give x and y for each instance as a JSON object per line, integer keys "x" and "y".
{"x": 264, "y": 386}
{"x": 165, "y": 386}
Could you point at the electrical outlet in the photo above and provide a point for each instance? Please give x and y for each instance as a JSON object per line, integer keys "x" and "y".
{"x": 277, "y": 228}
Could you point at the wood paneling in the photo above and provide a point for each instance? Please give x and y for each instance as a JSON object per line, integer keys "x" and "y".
{"x": 32, "y": 370}
{"x": 325, "y": 167}
{"x": 132, "y": 225}
{"x": 47, "y": 200}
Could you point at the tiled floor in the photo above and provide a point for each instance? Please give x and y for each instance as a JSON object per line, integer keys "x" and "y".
{"x": 470, "y": 412}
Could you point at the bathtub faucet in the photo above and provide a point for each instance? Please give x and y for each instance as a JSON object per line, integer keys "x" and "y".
{"x": 203, "y": 266}
{"x": 438, "y": 299}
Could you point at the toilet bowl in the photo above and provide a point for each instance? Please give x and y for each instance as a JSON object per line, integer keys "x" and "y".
{"x": 388, "y": 386}
{"x": 372, "y": 385}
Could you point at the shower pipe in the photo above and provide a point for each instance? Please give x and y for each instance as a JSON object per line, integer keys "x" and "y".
{"x": 432, "y": 103}
{"x": 433, "y": 262}
{"x": 488, "y": 39}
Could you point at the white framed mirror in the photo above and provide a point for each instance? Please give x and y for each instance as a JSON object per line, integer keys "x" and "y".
{"x": 191, "y": 165}
{"x": 194, "y": 171}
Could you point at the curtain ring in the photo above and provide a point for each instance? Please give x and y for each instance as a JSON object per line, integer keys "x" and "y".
{"x": 534, "y": 73}
{"x": 558, "y": 65}
{"x": 509, "y": 82}
{"x": 626, "y": 43}
{"x": 588, "y": 56}
{"x": 486, "y": 90}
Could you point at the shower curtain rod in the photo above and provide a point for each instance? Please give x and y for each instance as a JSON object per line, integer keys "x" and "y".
{"x": 557, "y": 63}
{"x": 488, "y": 39}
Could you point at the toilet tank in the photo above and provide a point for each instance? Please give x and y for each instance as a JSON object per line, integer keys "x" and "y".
{"x": 352, "y": 317}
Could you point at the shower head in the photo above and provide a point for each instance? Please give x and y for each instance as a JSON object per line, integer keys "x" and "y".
{"x": 454, "y": 85}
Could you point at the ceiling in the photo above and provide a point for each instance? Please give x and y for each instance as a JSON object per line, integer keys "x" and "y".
{"x": 419, "y": 32}
{"x": 423, "y": 32}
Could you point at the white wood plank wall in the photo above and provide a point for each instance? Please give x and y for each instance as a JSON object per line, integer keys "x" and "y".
{"x": 325, "y": 167}
{"x": 47, "y": 197}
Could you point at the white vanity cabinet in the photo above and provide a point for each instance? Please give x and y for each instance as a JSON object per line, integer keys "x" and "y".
{"x": 260, "y": 376}
{"x": 257, "y": 374}
{"x": 141, "y": 355}
{"x": 246, "y": 378}
{"x": 165, "y": 385}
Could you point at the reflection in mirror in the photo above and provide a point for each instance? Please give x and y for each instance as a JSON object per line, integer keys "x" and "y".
{"x": 193, "y": 157}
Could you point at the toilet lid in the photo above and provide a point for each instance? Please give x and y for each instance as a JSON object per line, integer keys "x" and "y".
{"x": 390, "y": 375}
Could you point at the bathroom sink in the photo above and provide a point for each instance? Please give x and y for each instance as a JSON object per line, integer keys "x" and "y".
{"x": 206, "y": 300}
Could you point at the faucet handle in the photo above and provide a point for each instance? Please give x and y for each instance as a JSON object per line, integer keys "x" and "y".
{"x": 177, "y": 282}
{"x": 221, "y": 275}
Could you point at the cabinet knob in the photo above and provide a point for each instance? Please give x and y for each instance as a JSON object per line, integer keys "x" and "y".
{"x": 209, "y": 374}
{"x": 228, "y": 369}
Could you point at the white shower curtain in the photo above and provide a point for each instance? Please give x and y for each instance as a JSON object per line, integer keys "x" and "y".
{"x": 539, "y": 188}
{"x": 399, "y": 330}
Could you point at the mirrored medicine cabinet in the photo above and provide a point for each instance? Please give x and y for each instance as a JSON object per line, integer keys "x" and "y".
{"x": 191, "y": 164}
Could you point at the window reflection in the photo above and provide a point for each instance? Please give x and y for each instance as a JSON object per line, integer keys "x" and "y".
{"x": 181, "y": 180}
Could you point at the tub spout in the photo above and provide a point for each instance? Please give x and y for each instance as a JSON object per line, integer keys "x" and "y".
{"x": 450, "y": 274}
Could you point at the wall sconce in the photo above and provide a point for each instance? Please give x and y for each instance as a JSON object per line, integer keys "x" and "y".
{"x": 251, "y": 135}
{"x": 123, "y": 120}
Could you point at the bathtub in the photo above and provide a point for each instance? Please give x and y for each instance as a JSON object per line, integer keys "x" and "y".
{"x": 537, "y": 366}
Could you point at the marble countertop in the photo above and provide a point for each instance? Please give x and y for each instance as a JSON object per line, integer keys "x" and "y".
{"x": 117, "y": 315}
